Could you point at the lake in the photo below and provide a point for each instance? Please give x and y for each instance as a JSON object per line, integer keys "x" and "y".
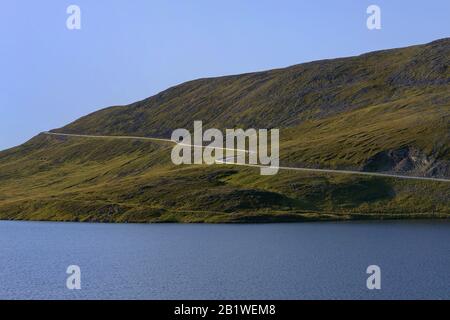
{"x": 324, "y": 260}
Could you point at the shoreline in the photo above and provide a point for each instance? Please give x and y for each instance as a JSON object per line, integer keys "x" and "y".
{"x": 252, "y": 220}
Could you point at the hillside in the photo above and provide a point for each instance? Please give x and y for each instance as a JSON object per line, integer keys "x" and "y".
{"x": 385, "y": 111}
{"x": 392, "y": 101}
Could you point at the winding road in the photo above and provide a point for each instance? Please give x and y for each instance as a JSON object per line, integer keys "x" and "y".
{"x": 224, "y": 160}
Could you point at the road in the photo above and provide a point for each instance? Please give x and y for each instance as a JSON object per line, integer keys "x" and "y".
{"x": 223, "y": 161}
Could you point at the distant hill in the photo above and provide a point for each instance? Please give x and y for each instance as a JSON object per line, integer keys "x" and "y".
{"x": 385, "y": 111}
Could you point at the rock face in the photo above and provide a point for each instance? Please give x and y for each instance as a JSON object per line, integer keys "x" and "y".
{"x": 408, "y": 160}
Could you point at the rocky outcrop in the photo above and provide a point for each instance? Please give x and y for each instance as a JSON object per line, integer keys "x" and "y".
{"x": 408, "y": 160}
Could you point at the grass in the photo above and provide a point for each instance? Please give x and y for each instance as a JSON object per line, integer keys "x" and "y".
{"x": 338, "y": 113}
{"x": 143, "y": 186}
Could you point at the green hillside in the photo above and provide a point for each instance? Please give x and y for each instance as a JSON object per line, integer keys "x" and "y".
{"x": 386, "y": 111}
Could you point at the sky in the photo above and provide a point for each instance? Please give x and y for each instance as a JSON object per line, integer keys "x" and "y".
{"x": 128, "y": 50}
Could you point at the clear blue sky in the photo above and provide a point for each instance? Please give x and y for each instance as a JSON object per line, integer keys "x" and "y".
{"x": 128, "y": 50}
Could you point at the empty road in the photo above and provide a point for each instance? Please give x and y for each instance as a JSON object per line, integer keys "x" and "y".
{"x": 223, "y": 161}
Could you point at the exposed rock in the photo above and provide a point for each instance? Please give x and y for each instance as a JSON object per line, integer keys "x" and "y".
{"x": 408, "y": 160}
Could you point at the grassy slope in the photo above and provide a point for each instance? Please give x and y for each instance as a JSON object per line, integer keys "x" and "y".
{"x": 349, "y": 139}
{"x": 78, "y": 179}
{"x": 283, "y": 97}
{"x": 342, "y": 111}
{"x": 334, "y": 113}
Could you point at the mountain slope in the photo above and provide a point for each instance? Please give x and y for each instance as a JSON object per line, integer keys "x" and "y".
{"x": 398, "y": 98}
{"x": 283, "y": 97}
{"x": 385, "y": 111}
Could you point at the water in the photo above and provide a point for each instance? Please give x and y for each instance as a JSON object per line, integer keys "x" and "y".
{"x": 266, "y": 261}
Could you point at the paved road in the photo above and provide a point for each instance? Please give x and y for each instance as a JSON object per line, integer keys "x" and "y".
{"x": 224, "y": 160}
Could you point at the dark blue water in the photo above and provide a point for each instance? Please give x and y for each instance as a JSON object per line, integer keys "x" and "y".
{"x": 268, "y": 261}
